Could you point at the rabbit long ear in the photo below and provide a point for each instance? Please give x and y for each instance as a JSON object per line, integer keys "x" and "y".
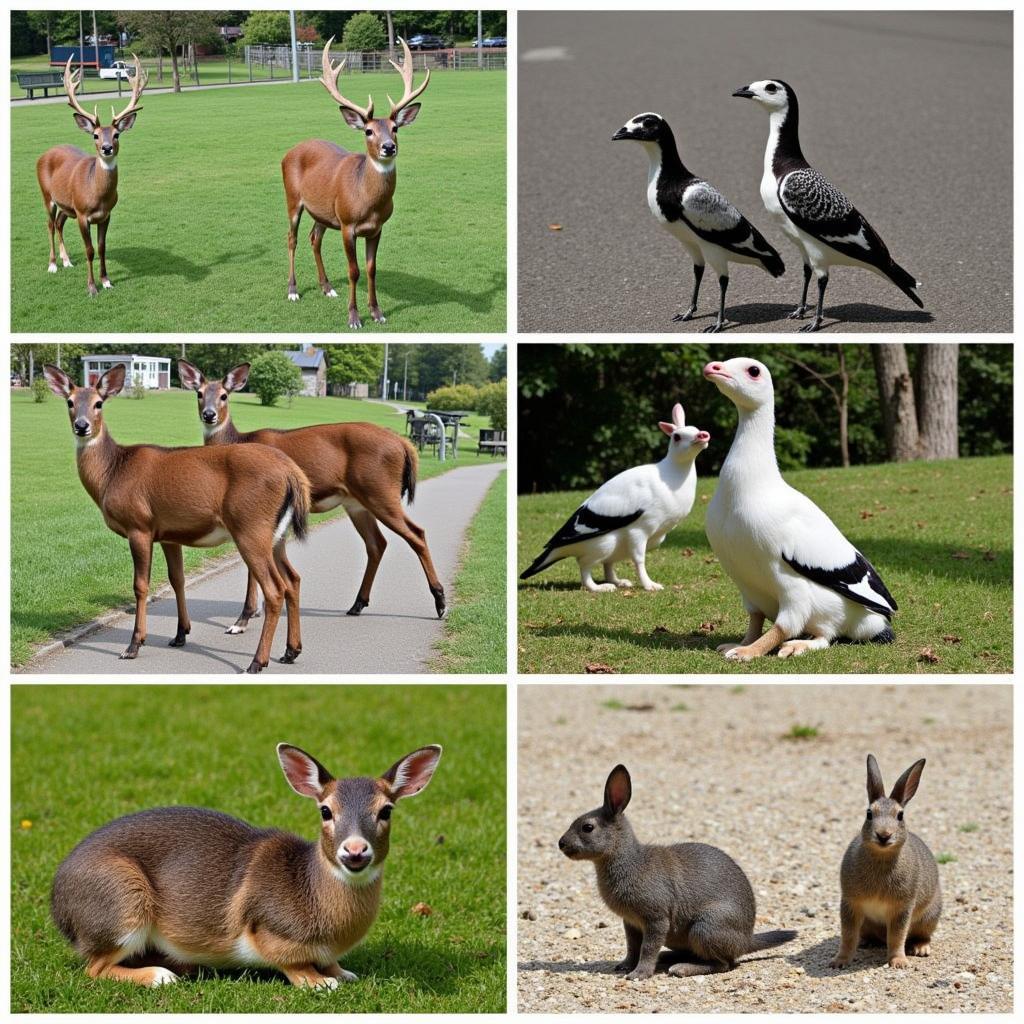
{"x": 617, "y": 791}
{"x": 906, "y": 784}
{"x": 677, "y": 415}
{"x": 875, "y": 788}
{"x": 667, "y": 428}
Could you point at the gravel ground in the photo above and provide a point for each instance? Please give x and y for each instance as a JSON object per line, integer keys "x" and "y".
{"x": 786, "y": 810}
{"x": 908, "y": 112}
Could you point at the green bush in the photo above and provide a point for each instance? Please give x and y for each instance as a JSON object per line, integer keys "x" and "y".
{"x": 274, "y": 375}
{"x": 40, "y": 389}
{"x": 457, "y": 396}
{"x": 267, "y": 27}
{"x": 493, "y": 402}
{"x": 364, "y": 31}
{"x": 136, "y": 389}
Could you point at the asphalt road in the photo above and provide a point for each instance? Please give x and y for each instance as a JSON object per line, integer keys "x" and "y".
{"x": 395, "y": 634}
{"x": 909, "y": 113}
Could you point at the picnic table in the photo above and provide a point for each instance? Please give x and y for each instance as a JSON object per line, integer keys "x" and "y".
{"x": 423, "y": 431}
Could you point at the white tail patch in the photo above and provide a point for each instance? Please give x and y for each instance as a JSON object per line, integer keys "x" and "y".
{"x": 282, "y": 527}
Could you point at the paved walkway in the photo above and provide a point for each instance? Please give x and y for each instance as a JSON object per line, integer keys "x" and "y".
{"x": 397, "y": 633}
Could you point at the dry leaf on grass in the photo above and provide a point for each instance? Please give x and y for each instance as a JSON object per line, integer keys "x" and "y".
{"x": 928, "y": 655}
{"x": 596, "y": 668}
{"x": 422, "y": 909}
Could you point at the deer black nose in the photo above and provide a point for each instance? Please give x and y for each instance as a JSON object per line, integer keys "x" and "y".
{"x": 107, "y": 150}
{"x": 209, "y": 415}
{"x": 389, "y": 149}
{"x": 81, "y": 425}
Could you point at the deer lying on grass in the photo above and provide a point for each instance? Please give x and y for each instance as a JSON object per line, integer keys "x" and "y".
{"x": 366, "y": 468}
{"x": 196, "y": 497}
{"x": 350, "y": 192}
{"x": 77, "y": 185}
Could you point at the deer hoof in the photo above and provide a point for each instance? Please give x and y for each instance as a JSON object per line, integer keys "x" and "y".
{"x": 330, "y": 293}
{"x": 52, "y": 268}
{"x": 355, "y": 324}
{"x": 254, "y": 668}
{"x": 293, "y": 296}
{"x": 107, "y": 284}
{"x": 236, "y": 628}
{"x": 290, "y": 654}
{"x": 66, "y": 261}
{"x": 357, "y": 606}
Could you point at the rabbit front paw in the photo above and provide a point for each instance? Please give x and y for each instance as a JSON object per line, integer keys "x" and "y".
{"x": 839, "y": 961}
{"x": 920, "y": 949}
{"x": 741, "y": 654}
{"x": 899, "y": 962}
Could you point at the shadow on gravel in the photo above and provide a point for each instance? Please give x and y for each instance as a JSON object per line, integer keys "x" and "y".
{"x": 561, "y": 967}
{"x": 815, "y": 959}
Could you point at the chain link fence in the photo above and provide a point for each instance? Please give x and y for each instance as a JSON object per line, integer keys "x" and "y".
{"x": 278, "y": 59}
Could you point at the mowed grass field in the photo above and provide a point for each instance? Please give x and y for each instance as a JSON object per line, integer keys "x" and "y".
{"x": 132, "y": 747}
{"x": 940, "y": 535}
{"x": 66, "y": 565}
{"x": 197, "y": 241}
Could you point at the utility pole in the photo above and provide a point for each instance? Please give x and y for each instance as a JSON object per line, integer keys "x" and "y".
{"x": 384, "y": 381}
{"x": 480, "y": 39}
{"x": 96, "y": 42}
{"x": 81, "y": 48}
{"x": 295, "y": 48}
{"x": 405, "y": 379}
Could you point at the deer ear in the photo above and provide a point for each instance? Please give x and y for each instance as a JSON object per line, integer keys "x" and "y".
{"x": 667, "y": 428}
{"x": 190, "y": 375}
{"x": 411, "y": 775}
{"x": 677, "y": 415}
{"x": 111, "y": 382}
{"x": 60, "y": 383}
{"x": 128, "y": 121}
{"x": 352, "y": 119}
{"x": 305, "y": 774}
{"x": 84, "y": 123}
{"x": 407, "y": 115}
{"x": 236, "y": 377}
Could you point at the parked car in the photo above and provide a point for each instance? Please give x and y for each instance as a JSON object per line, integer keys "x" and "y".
{"x": 426, "y": 41}
{"x": 493, "y": 41}
{"x": 119, "y": 69}
{"x": 15, "y": 380}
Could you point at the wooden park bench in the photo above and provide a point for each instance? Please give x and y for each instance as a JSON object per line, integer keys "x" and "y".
{"x": 493, "y": 441}
{"x": 30, "y": 81}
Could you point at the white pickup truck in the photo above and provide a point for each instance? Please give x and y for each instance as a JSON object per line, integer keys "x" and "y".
{"x": 119, "y": 69}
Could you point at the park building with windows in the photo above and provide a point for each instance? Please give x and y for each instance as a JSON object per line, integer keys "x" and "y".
{"x": 154, "y": 371}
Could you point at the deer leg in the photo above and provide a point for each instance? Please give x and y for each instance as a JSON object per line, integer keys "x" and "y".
{"x": 176, "y": 574}
{"x": 51, "y": 267}
{"x": 371, "y": 278}
{"x": 142, "y": 556}
{"x": 375, "y": 542}
{"x": 83, "y": 226}
{"x": 294, "y": 216}
{"x": 101, "y": 242}
{"x": 255, "y": 554}
{"x": 61, "y": 218}
{"x": 250, "y": 609}
{"x": 393, "y": 516}
{"x": 316, "y": 237}
{"x": 348, "y": 238}
{"x": 291, "y": 599}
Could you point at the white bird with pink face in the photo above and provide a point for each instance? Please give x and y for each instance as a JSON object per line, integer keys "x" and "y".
{"x": 631, "y": 513}
{"x": 789, "y": 560}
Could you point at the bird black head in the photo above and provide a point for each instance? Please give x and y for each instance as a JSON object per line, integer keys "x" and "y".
{"x": 647, "y": 127}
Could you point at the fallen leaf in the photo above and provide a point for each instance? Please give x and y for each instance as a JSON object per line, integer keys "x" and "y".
{"x": 928, "y": 655}
{"x": 960, "y": 555}
{"x": 26, "y": 824}
{"x": 710, "y": 560}
{"x": 595, "y": 668}
{"x": 707, "y": 627}
{"x": 865, "y": 514}
{"x": 950, "y": 639}
{"x": 687, "y": 552}
{"x": 988, "y": 616}
{"x": 422, "y": 909}
{"x": 554, "y": 227}
{"x": 659, "y": 629}
{"x": 638, "y": 707}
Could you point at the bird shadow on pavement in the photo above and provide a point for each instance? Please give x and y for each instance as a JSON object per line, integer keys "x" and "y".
{"x": 756, "y": 313}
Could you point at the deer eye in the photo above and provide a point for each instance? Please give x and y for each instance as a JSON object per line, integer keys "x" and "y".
{"x": 325, "y": 813}
{"x": 369, "y": 132}
{"x": 385, "y": 812}
{"x": 117, "y": 135}
{"x": 588, "y": 827}
{"x": 95, "y": 135}
{"x": 224, "y": 397}
{"x": 869, "y": 814}
{"x": 71, "y": 404}
{"x": 899, "y": 817}
{"x": 98, "y": 406}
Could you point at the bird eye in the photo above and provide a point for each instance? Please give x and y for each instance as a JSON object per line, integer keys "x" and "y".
{"x": 754, "y": 371}
{"x": 325, "y": 813}
{"x": 869, "y": 814}
{"x": 385, "y": 812}
{"x": 771, "y": 87}
{"x": 588, "y": 827}
{"x": 899, "y": 817}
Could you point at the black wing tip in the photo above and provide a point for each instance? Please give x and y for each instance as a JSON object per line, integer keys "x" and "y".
{"x": 538, "y": 565}
{"x": 774, "y": 265}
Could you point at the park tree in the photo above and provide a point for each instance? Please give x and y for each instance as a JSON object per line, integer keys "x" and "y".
{"x": 168, "y": 30}
{"x": 272, "y": 376}
{"x": 267, "y": 27}
{"x": 363, "y": 32}
{"x": 492, "y": 401}
{"x": 40, "y": 23}
{"x": 354, "y": 362}
{"x": 499, "y": 363}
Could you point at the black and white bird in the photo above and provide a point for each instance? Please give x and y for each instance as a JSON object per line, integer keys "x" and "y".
{"x": 790, "y": 562}
{"x": 710, "y": 228}
{"x": 825, "y": 226}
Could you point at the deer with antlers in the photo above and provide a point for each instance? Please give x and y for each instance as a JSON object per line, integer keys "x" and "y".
{"x": 77, "y": 185}
{"x": 192, "y": 497}
{"x": 350, "y": 192}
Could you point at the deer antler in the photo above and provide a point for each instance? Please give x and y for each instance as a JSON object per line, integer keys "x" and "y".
{"x": 406, "y": 71}
{"x": 72, "y": 79}
{"x": 139, "y": 82}
{"x": 329, "y": 80}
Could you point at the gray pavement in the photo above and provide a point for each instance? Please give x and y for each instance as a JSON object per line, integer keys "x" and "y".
{"x": 397, "y": 633}
{"x": 909, "y": 113}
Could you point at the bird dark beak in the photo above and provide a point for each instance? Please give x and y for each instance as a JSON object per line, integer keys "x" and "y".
{"x": 622, "y": 133}
{"x": 745, "y": 92}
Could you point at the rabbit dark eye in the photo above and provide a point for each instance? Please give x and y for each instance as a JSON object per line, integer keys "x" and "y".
{"x": 899, "y": 817}
{"x": 385, "y": 812}
{"x": 677, "y": 437}
{"x": 325, "y": 813}
{"x": 588, "y": 827}
{"x": 869, "y": 814}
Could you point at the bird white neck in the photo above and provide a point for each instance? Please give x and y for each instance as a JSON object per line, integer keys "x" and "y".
{"x": 654, "y": 156}
{"x": 751, "y": 460}
{"x": 775, "y": 123}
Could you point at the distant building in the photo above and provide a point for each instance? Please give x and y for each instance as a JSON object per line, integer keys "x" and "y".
{"x": 313, "y": 364}
{"x": 354, "y": 389}
{"x": 155, "y": 371}
{"x": 230, "y": 33}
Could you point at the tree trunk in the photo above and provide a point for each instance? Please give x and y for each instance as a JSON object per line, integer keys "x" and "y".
{"x": 174, "y": 69}
{"x": 391, "y": 35}
{"x": 936, "y": 388}
{"x": 896, "y": 393}
{"x": 844, "y": 408}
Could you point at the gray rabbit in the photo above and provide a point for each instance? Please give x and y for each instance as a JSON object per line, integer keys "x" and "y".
{"x": 690, "y": 897}
{"x": 889, "y": 880}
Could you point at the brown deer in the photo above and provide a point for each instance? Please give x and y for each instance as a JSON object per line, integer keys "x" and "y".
{"x": 77, "y": 185}
{"x": 350, "y": 192}
{"x": 366, "y": 468}
{"x": 196, "y": 497}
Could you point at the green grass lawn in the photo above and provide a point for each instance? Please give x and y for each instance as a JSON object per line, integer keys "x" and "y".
{"x": 76, "y": 568}
{"x": 132, "y": 747}
{"x": 940, "y": 535}
{"x": 475, "y": 631}
{"x": 198, "y": 239}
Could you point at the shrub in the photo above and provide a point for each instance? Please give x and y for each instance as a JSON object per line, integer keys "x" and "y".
{"x": 136, "y": 389}
{"x": 493, "y": 402}
{"x": 364, "y": 31}
{"x": 273, "y": 375}
{"x": 457, "y": 396}
{"x": 40, "y": 389}
{"x": 267, "y": 27}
